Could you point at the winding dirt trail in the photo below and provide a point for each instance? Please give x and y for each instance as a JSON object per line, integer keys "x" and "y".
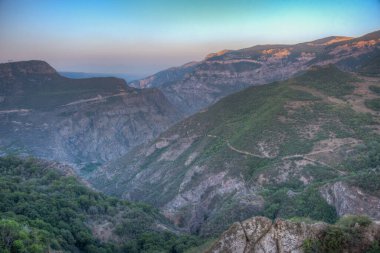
{"x": 355, "y": 101}
{"x": 244, "y": 152}
{"x": 94, "y": 99}
{"x": 15, "y": 111}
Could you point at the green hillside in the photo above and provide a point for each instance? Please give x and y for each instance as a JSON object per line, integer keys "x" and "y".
{"x": 270, "y": 148}
{"x": 43, "y": 209}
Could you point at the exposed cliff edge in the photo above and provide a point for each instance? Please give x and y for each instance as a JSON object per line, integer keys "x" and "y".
{"x": 261, "y": 235}
{"x": 351, "y": 200}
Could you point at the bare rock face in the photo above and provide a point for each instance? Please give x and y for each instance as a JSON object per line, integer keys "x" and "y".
{"x": 261, "y": 235}
{"x": 196, "y": 85}
{"x": 81, "y": 122}
{"x": 351, "y": 200}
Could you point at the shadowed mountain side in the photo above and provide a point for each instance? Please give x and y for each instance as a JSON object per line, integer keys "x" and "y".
{"x": 84, "y": 122}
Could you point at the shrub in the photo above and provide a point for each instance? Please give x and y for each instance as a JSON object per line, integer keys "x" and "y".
{"x": 350, "y": 221}
{"x": 345, "y": 234}
{"x": 373, "y": 104}
{"x": 375, "y": 89}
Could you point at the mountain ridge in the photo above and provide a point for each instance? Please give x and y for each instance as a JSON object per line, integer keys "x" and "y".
{"x": 203, "y": 83}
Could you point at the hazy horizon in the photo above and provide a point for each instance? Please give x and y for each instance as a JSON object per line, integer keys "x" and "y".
{"x": 141, "y": 38}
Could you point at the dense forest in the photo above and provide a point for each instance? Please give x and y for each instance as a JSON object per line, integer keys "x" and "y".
{"x": 43, "y": 209}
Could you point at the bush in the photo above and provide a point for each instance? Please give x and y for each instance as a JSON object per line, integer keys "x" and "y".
{"x": 15, "y": 237}
{"x": 375, "y": 89}
{"x": 347, "y": 233}
{"x": 307, "y": 204}
{"x": 373, "y": 104}
{"x": 350, "y": 221}
{"x": 375, "y": 248}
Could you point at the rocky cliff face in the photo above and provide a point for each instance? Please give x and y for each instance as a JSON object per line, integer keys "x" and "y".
{"x": 351, "y": 200}
{"x": 265, "y": 150}
{"x": 83, "y": 122}
{"x": 196, "y": 85}
{"x": 261, "y": 235}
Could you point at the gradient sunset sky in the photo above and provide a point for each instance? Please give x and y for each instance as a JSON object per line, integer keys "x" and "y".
{"x": 144, "y": 36}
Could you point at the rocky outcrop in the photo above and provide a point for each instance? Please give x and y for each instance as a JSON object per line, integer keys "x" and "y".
{"x": 261, "y": 235}
{"x": 81, "y": 122}
{"x": 351, "y": 200}
{"x": 196, "y": 85}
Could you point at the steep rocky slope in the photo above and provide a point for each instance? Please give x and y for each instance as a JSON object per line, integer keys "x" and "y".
{"x": 196, "y": 85}
{"x": 84, "y": 122}
{"x": 261, "y": 235}
{"x": 280, "y": 150}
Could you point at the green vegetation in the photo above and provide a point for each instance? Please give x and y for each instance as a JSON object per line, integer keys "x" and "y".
{"x": 89, "y": 167}
{"x": 374, "y": 89}
{"x": 15, "y": 237}
{"x": 375, "y": 248}
{"x": 263, "y": 136}
{"x": 366, "y": 156}
{"x": 328, "y": 79}
{"x": 373, "y": 104}
{"x": 351, "y": 220}
{"x": 43, "y": 209}
{"x": 282, "y": 201}
{"x": 365, "y": 167}
{"x": 201, "y": 248}
{"x": 345, "y": 234}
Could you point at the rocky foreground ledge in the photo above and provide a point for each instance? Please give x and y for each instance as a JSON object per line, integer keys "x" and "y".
{"x": 262, "y": 235}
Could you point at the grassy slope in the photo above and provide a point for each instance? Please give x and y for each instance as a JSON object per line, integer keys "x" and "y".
{"x": 329, "y": 80}
{"x": 40, "y": 208}
{"x": 280, "y": 116}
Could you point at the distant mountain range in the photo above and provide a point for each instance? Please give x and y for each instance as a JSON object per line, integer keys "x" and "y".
{"x": 196, "y": 85}
{"x": 79, "y": 75}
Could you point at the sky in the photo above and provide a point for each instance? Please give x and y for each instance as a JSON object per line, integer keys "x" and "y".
{"x": 141, "y": 37}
